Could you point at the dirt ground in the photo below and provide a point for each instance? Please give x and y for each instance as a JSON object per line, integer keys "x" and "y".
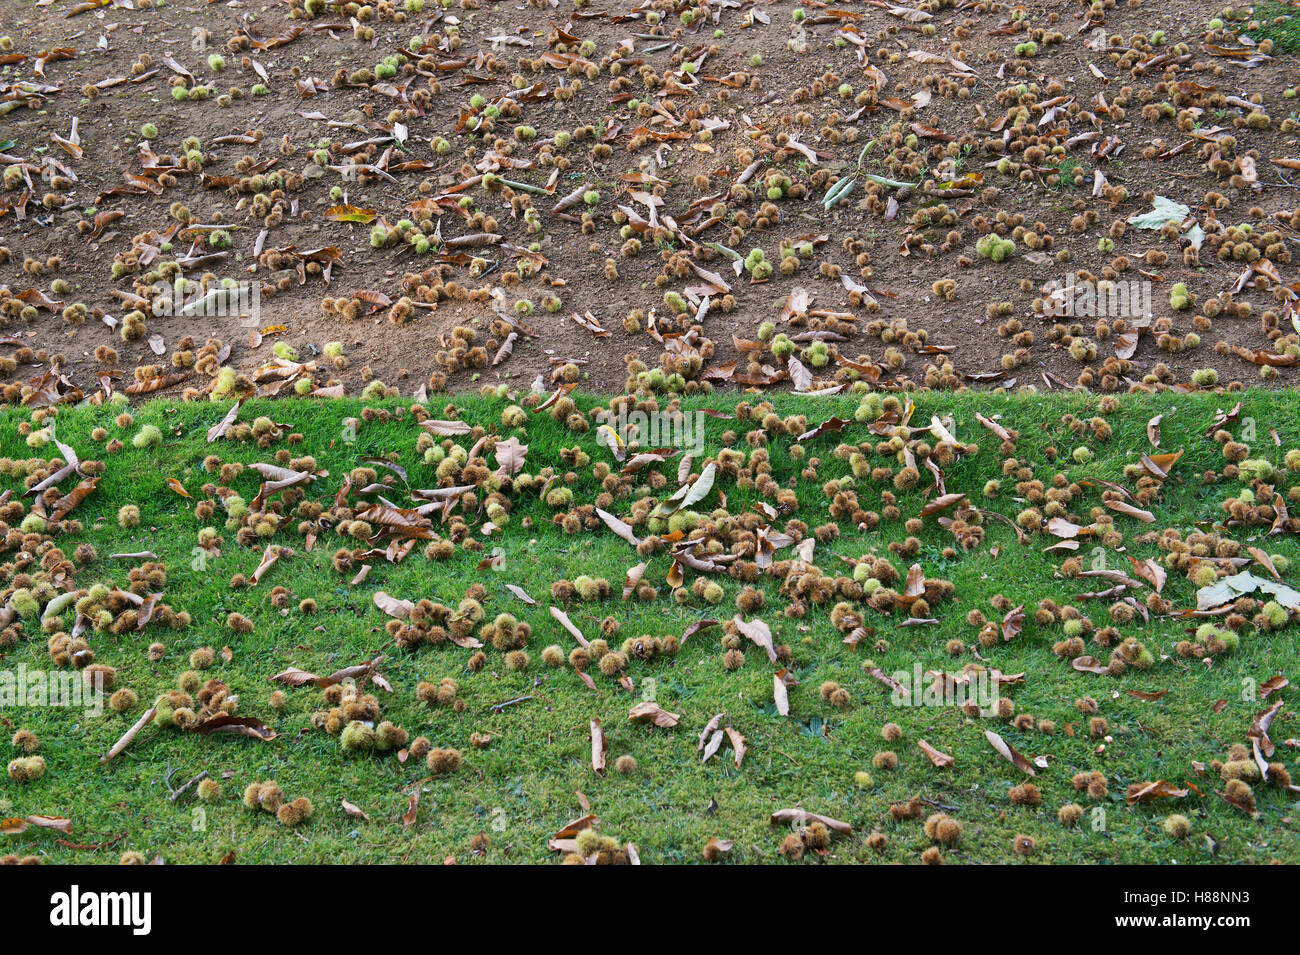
{"x": 692, "y": 128}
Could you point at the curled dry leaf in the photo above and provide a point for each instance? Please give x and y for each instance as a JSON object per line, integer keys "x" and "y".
{"x": 737, "y": 744}
{"x": 941, "y": 760}
{"x": 1153, "y": 430}
{"x": 269, "y": 559}
{"x": 393, "y": 606}
{"x": 70, "y": 501}
{"x": 689, "y": 495}
{"x": 997, "y": 429}
{"x": 759, "y": 633}
{"x": 1123, "y": 507}
{"x": 599, "y": 747}
{"x": 19, "y": 824}
{"x": 1090, "y": 664}
{"x": 521, "y": 594}
{"x": 236, "y": 726}
{"x": 1151, "y": 571}
{"x": 709, "y": 729}
{"x": 619, "y": 527}
{"x": 445, "y": 429}
{"x": 1013, "y": 622}
{"x": 802, "y": 817}
{"x": 781, "y": 693}
{"x": 361, "y": 673}
{"x": 880, "y": 676}
{"x": 633, "y": 577}
{"x": 712, "y": 746}
{"x": 1060, "y": 527}
{"x": 942, "y": 503}
{"x": 571, "y": 829}
{"x": 1145, "y": 792}
{"x": 155, "y": 384}
{"x": 219, "y": 429}
{"x": 1260, "y": 726}
{"x": 412, "y": 808}
{"x": 828, "y": 426}
{"x": 1147, "y": 696}
{"x": 354, "y": 811}
{"x": 1158, "y": 465}
{"x": 567, "y": 624}
{"x": 695, "y": 628}
{"x": 1008, "y": 752}
{"x": 1272, "y": 685}
{"x": 651, "y": 712}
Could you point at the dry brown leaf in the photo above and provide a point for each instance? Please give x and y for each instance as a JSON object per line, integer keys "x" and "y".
{"x": 354, "y": 811}
{"x": 236, "y": 726}
{"x": 567, "y": 624}
{"x": 1151, "y": 571}
{"x": 712, "y": 746}
{"x": 1145, "y": 792}
{"x": 1008, "y": 752}
{"x": 942, "y": 503}
{"x": 804, "y": 817}
{"x": 521, "y": 594}
{"x": 510, "y": 456}
{"x": 1123, "y": 507}
{"x": 1013, "y": 622}
{"x": 759, "y": 633}
{"x": 412, "y": 808}
{"x": 19, "y": 824}
{"x": 709, "y": 729}
{"x": 997, "y": 429}
{"x": 651, "y": 712}
{"x": 394, "y": 607}
{"x": 219, "y": 429}
{"x": 1272, "y": 685}
{"x": 737, "y": 744}
{"x": 781, "y": 693}
{"x": 445, "y": 429}
{"x": 1089, "y": 664}
{"x": 619, "y": 527}
{"x": 941, "y": 760}
{"x": 599, "y": 747}
{"x": 1147, "y": 696}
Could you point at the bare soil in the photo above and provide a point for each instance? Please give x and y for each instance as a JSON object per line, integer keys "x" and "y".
{"x": 929, "y": 88}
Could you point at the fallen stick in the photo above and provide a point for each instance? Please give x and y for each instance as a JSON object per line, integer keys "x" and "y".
{"x": 130, "y": 734}
{"x": 177, "y": 793}
{"x": 938, "y": 805}
{"x": 498, "y": 707}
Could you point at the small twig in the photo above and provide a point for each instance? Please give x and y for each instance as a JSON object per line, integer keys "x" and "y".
{"x": 498, "y": 707}
{"x": 177, "y": 793}
{"x": 91, "y": 847}
{"x": 938, "y": 805}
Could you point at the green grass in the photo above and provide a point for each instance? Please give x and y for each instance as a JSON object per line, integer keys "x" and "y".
{"x": 1065, "y": 169}
{"x": 523, "y": 787}
{"x": 1280, "y": 23}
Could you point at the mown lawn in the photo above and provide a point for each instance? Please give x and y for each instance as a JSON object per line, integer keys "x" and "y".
{"x": 537, "y": 773}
